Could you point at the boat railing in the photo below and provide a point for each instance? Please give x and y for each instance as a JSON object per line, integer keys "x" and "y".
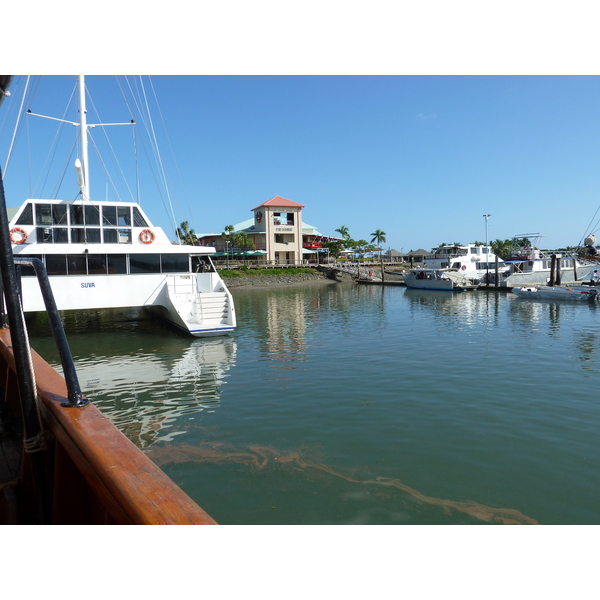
{"x": 75, "y": 397}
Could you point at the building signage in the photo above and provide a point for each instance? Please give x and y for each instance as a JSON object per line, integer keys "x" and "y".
{"x": 284, "y": 229}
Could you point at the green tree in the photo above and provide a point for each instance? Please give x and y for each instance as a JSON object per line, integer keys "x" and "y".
{"x": 379, "y": 237}
{"x": 335, "y": 248}
{"x": 343, "y": 231}
{"x": 240, "y": 240}
{"x": 502, "y": 248}
{"x": 185, "y": 235}
{"x": 360, "y": 247}
{"x": 243, "y": 240}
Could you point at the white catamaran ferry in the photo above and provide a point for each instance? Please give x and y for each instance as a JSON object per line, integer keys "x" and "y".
{"x": 109, "y": 255}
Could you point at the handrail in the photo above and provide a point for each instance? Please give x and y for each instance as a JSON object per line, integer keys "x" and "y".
{"x": 74, "y": 396}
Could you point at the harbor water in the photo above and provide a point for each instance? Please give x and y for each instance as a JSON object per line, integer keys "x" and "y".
{"x": 337, "y": 403}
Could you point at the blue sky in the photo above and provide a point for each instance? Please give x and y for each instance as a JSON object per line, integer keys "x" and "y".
{"x": 421, "y": 157}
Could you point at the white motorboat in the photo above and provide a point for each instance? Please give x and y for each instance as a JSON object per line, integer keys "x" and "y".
{"x": 109, "y": 255}
{"x": 546, "y": 292}
{"x": 528, "y": 266}
{"x": 449, "y": 280}
{"x": 474, "y": 261}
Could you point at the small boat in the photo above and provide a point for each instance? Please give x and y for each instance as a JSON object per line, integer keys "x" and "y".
{"x": 449, "y": 280}
{"x": 101, "y": 254}
{"x": 546, "y": 292}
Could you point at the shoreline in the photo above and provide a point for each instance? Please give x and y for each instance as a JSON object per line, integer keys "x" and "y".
{"x": 267, "y": 281}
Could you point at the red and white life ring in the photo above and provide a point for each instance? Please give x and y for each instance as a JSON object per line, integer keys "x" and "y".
{"x": 146, "y": 236}
{"x": 18, "y": 235}
{"x": 464, "y": 267}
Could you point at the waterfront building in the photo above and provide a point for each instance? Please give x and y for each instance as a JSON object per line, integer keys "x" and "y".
{"x": 279, "y": 234}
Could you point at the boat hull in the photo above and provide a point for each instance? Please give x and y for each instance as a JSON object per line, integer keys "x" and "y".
{"x": 427, "y": 284}
{"x": 182, "y": 300}
{"x": 571, "y": 294}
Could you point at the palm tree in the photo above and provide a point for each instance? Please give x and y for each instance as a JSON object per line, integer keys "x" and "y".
{"x": 502, "y": 248}
{"x": 379, "y": 237}
{"x": 185, "y": 235}
{"x": 343, "y": 231}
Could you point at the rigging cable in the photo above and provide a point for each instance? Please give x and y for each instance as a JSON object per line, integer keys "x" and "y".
{"x": 53, "y": 150}
{"x": 113, "y": 155}
{"x": 171, "y": 149}
{"x": 19, "y": 116}
{"x": 158, "y": 155}
{"x": 135, "y": 96}
{"x": 590, "y": 229}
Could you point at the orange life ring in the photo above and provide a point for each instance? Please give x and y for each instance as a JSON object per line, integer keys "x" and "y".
{"x": 22, "y": 235}
{"x": 146, "y": 236}
{"x": 464, "y": 267}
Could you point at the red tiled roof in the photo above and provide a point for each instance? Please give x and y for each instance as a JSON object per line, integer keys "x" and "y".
{"x": 278, "y": 201}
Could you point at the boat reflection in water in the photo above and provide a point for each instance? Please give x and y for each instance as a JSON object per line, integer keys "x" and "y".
{"x": 145, "y": 379}
{"x": 146, "y": 395}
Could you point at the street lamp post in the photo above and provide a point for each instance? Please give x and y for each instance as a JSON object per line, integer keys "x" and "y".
{"x": 227, "y": 253}
{"x": 487, "y": 251}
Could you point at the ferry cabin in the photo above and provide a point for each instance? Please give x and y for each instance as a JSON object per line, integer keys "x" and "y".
{"x": 108, "y": 255}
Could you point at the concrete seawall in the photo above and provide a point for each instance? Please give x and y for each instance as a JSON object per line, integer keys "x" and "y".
{"x": 276, "y": 280}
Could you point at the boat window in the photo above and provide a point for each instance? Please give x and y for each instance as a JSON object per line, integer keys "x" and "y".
{"x": 92, "y": 215}
{"x": 124, "y": 236}
{"x": 97, "y": 264}
{"x": 109, "y": 215}
{"x": 55, "y": 235}
{"x": 144, "y": 263}
{"x": 474, "y": 250}
{"x": 202, "y": 264}
{"x": 43, "y": 235}
{"x": 110, "y": 236}
{"x": 138, "y": 220}
{"x": 175, "y": 263}
{"x": 117, "y": 236}
{"x": 117, "y": 264}
{"x": 124, "y": 216}
{"x": 76, "y": 214}
{"x": 77, "y": 264}
{"x": 77, "y": 236}
{"x": 89, "y": 235}
{"x": 92, "y": 235}
{"x": 56, "y": 264}
{"x": 59, "y": 214}
{"x": 26, "y": 217}
{"x": 43, "y": 214}
{"x": 61, "y": 235}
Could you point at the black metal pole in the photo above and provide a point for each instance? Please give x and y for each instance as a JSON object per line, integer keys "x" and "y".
{"x": 21, "y": 355}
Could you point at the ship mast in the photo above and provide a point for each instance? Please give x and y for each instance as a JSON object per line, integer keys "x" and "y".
{"x": 83, "y": 170}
